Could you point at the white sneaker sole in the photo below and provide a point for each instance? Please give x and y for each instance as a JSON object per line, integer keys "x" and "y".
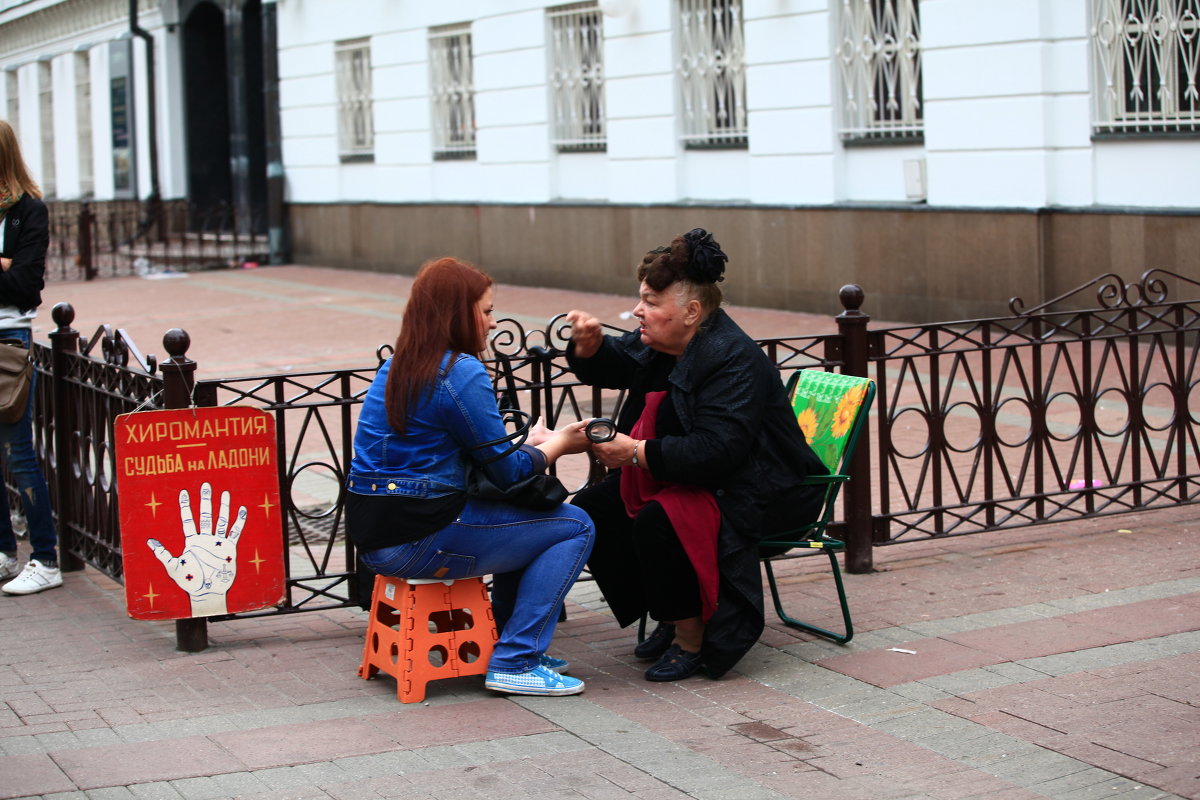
{"x": 562, "y": 691}
{"x": 31, "y": 589}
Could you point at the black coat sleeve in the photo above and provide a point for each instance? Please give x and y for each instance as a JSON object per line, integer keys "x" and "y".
{"x": 612, "y": 366}
{"x": 26, "y": 240}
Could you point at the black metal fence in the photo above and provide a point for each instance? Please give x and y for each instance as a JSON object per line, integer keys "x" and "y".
{"x": 1041, "y": 416}
{"x": 128, "y": 237}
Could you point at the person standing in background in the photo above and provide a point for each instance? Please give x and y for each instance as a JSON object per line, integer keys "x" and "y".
{"x": 24, "y": 240}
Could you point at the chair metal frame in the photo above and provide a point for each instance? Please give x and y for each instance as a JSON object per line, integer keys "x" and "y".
{"x": 814, "y": 535}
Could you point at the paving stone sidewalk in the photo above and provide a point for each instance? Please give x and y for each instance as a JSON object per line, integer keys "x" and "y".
{"x": 1059, "y": 661}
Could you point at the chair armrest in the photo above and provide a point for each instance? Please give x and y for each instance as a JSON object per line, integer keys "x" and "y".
{"x": 821, "y": 480}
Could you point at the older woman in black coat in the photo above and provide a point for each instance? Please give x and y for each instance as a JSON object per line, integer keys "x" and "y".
{"x": 708, "y": 450}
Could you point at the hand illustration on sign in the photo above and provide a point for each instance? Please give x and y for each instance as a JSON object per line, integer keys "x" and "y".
{"x": 207, "y": 566}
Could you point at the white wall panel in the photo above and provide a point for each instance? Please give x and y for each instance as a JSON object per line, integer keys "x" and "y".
{"x": 647, "y": 54}
{"x": 719, "y": 175}
{"x": 642, "y": 137}
{"x": 798, "y": 84}
{"x": 1069, "y": 178}
{"x": 514, "y": 183}
{"x": 643, "y": 181}
{"x": 648, "y": 96}
{"x": 410, "y": 114}
{"x": 506, "y": 33}
{"x": 876, "y": 174}
{"x": 519, "y": 106}
{"x": 405, "y": 184}
{"x": 1148, "y": 174}
{"x": 800, "y": 130}
{"x": 1003, "y": 123}
{"x": 403, "y": 149}
{"x": 792, "y": 180}
{"x": 1013, "y": 179}
{"x": 580, "y": 176}
{"x": 985, "y": 71}
{"x": 975, "y": 22}
{"x": 518, "y": 144}
{"x": 509, "y": 69}
{"x": 773, "y": 40}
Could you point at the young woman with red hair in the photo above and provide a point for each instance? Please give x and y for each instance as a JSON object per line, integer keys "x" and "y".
{"x": 430, "y": 410}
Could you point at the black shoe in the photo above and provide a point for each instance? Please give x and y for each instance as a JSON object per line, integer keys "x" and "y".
{"x": 656, "y": 643}
{"x": 675, "y": 665}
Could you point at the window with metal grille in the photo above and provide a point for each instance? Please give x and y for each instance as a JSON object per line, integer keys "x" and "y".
{"x": 46, "y": 119}
{"x": 453, "y": 92}
{"x": 83, "y": 123}
{"x": 356, "y": 124}
{"x": 712, "y": 73}
{"x": 1147, "y": 55}
{"x": 577, "y": 76}
{"x": 879, "y": 61}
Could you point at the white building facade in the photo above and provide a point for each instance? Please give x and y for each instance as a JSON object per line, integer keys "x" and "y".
{"x": 1012, "y": 102}
{"x": 1032, "y": 142}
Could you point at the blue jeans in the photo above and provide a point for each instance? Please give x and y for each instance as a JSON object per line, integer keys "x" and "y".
{"x": 16, "y": 451}
{"x": 533, "y": 556}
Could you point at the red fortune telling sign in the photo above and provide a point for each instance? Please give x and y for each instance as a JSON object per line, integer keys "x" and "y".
{"x": 201, "y": 524}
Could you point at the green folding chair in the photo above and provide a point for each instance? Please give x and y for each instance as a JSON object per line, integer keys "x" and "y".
{"x": 830, "y": 409}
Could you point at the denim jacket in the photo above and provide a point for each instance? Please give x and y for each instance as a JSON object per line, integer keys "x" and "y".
{"x": 443, "y": 429}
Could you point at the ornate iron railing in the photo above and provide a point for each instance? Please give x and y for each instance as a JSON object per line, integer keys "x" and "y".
{"x": 1049, "y": 414}
{"x": 1044, "y": 415}
{"x": 117, "y": 238}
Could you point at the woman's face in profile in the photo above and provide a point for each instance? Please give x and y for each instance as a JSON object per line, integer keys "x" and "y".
{"x": 485, "y": 318}
{"x": 662, "y": 315}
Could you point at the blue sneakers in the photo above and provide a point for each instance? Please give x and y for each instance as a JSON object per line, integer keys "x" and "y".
{"x": 537, "y": 681}
{"x": 559, "y": 665}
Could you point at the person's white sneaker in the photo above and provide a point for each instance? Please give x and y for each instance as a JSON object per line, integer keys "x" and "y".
{"x": 34, "y": 578}
{"x": 9, "y": 566}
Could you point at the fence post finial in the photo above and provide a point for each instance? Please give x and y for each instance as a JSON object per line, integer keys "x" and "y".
{"x": 856, "y": 499}
{"x": 179, "y": 378}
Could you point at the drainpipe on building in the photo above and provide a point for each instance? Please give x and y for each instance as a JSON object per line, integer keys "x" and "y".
{"x": 154, "y": 201}
{"x": 276, "y": 219}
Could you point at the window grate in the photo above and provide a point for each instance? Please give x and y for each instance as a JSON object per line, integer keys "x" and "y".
{"x": 577, "y": 76}
{"x": 356, "y": 125}
{"x": 1147, "y": 56}
{"x": 13, "y": 87}
{"x": 712, "y": 73}
{"x": 453, "y": 92}
{"x": 879, "y": 61}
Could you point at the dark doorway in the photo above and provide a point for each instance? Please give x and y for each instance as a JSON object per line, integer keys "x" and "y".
{"x": 256, "y": 135}
{"x": 206, "y": 108}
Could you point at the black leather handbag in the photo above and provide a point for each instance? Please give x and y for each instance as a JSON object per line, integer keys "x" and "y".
{"x": 539, "y": 492}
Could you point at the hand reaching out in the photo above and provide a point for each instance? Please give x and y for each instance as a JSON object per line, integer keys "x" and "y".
{"x": 207, "y": 566}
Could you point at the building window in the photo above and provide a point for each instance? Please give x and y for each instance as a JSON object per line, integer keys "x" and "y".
{"x": 879, "y": 58}
{"x": 356, "y": 125}
{"x": 453, "y": 92}
{"x": 1147, "y": 57}
{"x": 46, "y": 121}
{"x": 577, "y": 76}
{"x": 83, "y": 123}
{"x": 712, "y": 73}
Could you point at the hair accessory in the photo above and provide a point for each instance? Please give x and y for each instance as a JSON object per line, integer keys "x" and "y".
{"x": 706, "y": 260}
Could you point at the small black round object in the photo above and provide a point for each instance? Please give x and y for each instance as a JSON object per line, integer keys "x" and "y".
{"x": 601, "y": 429}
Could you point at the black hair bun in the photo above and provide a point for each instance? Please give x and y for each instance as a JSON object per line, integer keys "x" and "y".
{"x": 706, "y": 260}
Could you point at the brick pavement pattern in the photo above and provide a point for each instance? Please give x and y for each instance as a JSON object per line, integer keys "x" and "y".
{"x": 1059, "y": 661}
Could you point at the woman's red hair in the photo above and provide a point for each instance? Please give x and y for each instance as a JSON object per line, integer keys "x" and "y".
{"x": 440, "y": 316}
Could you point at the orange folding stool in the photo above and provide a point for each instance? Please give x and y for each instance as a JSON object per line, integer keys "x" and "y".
{"x": 425, "y": 630}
